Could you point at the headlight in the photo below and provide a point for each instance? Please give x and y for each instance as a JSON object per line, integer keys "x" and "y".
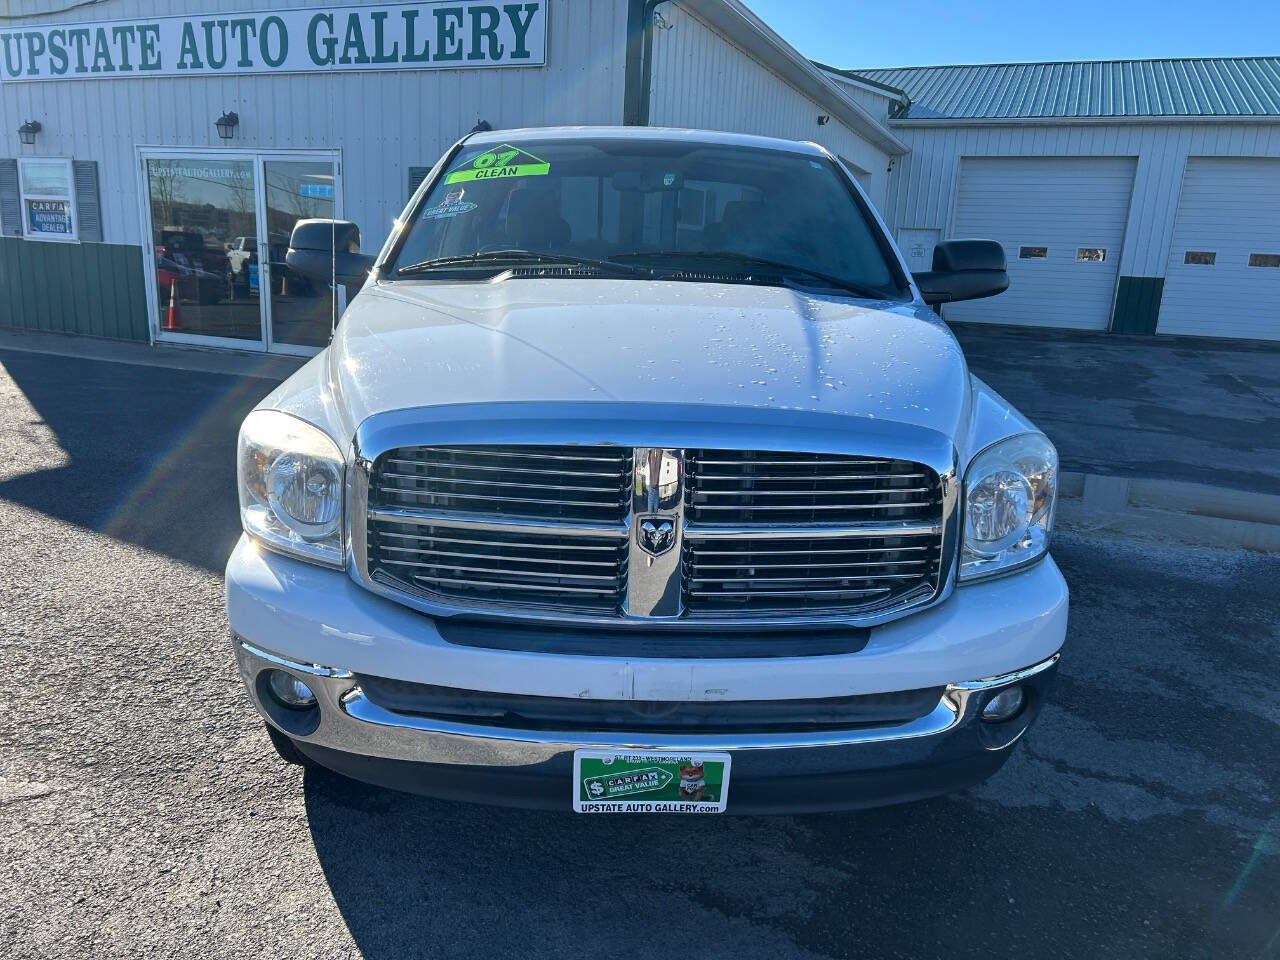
{"x": 1009, "y": 493}
{"x": 291, "y": 486}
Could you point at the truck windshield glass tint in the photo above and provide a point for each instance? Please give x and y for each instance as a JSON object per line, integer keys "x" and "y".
{"x": 602, "y": 199}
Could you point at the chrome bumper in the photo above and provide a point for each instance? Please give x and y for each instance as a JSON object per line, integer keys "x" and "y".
{"x": 350, "y": 723}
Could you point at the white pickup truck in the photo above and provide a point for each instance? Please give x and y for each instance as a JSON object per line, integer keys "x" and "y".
{"x": 640, "y": 476}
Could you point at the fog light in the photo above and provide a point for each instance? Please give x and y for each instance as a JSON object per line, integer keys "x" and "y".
{"x": 1004, "y": 705}
{"x": 290, "y": 691}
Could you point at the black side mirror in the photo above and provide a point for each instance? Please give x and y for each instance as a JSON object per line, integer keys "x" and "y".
{"x": 964, "y": 270}
{"x": 322, "y": 250}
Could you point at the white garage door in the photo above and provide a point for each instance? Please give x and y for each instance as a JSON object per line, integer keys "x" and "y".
{"x": 1061, "y": 222}
{"x": 1224, "y": 267}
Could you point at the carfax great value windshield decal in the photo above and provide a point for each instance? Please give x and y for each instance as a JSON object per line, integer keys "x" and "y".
{"x": 503, "y": 161}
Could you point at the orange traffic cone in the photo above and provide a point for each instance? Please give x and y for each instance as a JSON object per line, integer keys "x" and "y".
{"x": 172, "y": 322}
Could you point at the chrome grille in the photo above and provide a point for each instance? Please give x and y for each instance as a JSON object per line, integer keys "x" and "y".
{"x": 475, "y": 565}
{"x": 810, "y": 532}
{"x": 540, "y": 483}
{"x": 741, "y": 486}
{"x": 559, "y": 533}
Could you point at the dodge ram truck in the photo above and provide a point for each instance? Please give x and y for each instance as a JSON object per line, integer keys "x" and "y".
{"x": 640, "y": 475}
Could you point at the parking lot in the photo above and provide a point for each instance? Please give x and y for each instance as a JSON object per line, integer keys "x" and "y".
{"x": 143, "y": 812}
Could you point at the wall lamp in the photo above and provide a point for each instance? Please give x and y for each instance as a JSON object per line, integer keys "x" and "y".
{"x": 227, "y": 124}
{"x": 823, "y": 119}
{"x": 27, "y": 132}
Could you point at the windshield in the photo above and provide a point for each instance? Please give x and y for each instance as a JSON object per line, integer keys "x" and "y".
{"x": 661, "y": 208}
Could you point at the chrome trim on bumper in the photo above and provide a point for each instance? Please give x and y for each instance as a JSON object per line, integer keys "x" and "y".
{"x": 351, "y": 723}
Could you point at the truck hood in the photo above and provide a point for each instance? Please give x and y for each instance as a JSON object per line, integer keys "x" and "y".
{"x": 409, "y": 344}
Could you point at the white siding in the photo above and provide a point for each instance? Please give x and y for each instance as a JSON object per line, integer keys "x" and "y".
{"x": 1059, "y": 204}
{"x": 701, "y": 79}
{"x": 1230, "y": 208}
{"x": 875, "y": 102}
{"x": 381, "y": 122}
{"x": 921, "y": 192}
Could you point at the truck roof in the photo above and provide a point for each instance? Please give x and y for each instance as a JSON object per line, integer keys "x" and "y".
{"x": 670, "y": 134}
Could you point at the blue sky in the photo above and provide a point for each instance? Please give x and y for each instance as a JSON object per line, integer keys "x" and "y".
{"x": 861, "y": 33}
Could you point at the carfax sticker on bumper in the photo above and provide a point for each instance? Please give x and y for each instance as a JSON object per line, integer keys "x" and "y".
{"x": 606, "y": 781}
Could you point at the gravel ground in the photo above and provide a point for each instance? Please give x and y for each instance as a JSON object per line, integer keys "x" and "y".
{"x": 142, "y": 811}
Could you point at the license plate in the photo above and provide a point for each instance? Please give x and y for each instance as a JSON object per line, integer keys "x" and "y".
{"x": 605, "y": 781}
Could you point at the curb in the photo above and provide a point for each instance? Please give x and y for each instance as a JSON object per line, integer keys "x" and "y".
{"x": 1171, "y": 510}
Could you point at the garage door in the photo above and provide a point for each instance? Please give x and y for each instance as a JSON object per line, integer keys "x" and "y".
{"x": 1223, "y": 278}
{"x": 1061, "y": 222}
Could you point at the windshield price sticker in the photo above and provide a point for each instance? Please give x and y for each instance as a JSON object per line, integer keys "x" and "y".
{"x": 605, "y": 782}
{"x": 503, "y": 161}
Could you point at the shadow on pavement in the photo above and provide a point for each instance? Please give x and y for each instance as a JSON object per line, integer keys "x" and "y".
{"x": 415, "y": 877}
{"x": 144, "y": 454}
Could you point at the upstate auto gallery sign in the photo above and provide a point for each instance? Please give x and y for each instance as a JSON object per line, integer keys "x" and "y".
{"x": 399, "y": 36}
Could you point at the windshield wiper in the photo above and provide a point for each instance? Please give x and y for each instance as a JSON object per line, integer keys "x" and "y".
{"x": 516, "y": 257}
{"x": 731, "y": 256}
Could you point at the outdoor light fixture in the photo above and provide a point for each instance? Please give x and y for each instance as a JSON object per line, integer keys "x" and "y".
{"x": 27, "y": 132}
{"x": 823, "y": 119}
{"x": 227, "y": 124}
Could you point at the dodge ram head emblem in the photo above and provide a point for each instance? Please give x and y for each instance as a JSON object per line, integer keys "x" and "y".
{"x": 656, "y": 535}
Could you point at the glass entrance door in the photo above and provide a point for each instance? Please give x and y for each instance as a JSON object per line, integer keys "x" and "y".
{"x": 220, "y": 227}
{"x": 203, "y": 220}
{"x": 300, "y": 310}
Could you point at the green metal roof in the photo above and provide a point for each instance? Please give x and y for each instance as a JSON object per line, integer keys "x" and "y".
{"x": 1217, "y": 87}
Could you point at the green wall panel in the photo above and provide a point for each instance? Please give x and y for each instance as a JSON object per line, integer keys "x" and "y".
{"x": 1137, "y": 305}
{"x": 88, "y": 288}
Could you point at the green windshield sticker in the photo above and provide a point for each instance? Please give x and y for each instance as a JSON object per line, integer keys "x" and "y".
{"x": 503, "y": 161}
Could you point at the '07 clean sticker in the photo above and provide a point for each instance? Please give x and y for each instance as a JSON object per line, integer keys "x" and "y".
{"x": 503, "y": 161}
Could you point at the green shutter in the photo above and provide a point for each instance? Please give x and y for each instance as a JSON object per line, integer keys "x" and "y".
{"x": 10, "y": 199}
{"x": 84, "y": 173}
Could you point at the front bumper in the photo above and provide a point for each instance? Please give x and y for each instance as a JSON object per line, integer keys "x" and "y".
{"x": 319, "y": 626}
{"x": 947, "y": 749}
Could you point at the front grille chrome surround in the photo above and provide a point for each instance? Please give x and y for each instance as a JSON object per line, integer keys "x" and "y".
{"x": 754, "y": 542}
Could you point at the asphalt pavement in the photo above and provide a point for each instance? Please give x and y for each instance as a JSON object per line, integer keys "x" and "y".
{"x": 1158, "y": 408}
{"x": 143, "y": 813}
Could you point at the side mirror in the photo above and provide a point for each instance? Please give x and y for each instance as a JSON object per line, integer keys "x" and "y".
{"x": 325, "y": 250}
{"x": 964, "y": 270}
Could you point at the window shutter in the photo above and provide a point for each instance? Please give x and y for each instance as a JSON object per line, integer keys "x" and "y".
{"x": 416, "y": 176}
{"x": 88, "y": 204}
{"x": 10, "y": 201}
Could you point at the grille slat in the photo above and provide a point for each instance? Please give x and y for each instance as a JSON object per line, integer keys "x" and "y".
{"x": 496, "y": 483}
{"x": 811, "y": 507}
{"x": 506, "y": 585}
{"x": 757, "y": 567}
{"x": 416, "y": 551}
{"x": 532, "y": 453}
{"x": 737, "y": 494}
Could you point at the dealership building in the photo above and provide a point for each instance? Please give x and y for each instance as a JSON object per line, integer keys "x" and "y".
{"x": 152, "y": 168}
{"x": 1133, "y": 196}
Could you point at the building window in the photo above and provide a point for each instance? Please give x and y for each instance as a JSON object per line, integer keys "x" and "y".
{"x": 1091, "y": 254}
{"x": 1264, "y": 259}
{"x": 1200, "y": 258}
{"x": 1033, "y": 253}
{"x": 48, "y": 198}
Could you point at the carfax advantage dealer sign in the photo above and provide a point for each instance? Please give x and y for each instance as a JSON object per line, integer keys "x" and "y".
{"x": 398, "y": 36}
